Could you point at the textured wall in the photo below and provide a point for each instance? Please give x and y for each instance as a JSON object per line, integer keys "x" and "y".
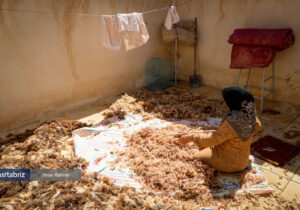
{"x": 217, "y": 19}
{"x": 51, "y": 62}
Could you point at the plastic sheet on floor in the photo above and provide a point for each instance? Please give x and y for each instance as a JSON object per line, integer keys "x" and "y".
{"x": 97, "y": 145}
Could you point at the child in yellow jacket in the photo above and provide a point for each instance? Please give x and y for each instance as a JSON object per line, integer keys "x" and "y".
{"x": 228, "y": 148}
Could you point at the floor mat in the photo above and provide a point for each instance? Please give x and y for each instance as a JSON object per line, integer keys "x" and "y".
{"x": 274, "y": 150}
{"x": 96, "y": 144}
{"x": 232, "y": 182}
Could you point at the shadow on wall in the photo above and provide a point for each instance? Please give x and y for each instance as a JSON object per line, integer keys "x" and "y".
{"x": 66, "y": 23}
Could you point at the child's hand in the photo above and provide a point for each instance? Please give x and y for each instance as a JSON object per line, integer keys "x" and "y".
{"x": 185, "y": 139}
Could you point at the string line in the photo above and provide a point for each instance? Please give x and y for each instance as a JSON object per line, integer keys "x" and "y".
{"x": 82, "y": 14}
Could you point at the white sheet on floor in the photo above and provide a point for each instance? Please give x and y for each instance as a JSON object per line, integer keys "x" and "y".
{"x": 97, "y": 144}
{"x": 172, "y": 17}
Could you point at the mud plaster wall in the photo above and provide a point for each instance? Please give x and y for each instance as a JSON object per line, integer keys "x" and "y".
{"x": 51, "y": 62}
{"x": 217, "y": 19}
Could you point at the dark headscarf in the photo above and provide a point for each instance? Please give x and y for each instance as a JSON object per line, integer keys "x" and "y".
{"x": 242, "y": 115}
{"x": 235, "y": 95}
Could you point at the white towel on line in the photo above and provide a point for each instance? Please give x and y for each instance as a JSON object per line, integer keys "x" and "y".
{"x": 131, "y": 27}
{"x": 172, "y": 17}
{"x": 134, "y": 30}
{"x": 112, "y": 38}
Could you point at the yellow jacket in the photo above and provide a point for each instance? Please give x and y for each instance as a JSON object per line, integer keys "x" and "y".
{"x": 229, "y": 152}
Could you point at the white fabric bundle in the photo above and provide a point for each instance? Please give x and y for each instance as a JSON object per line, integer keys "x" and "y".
{"x": 131, "y": 27}
{"x": 172, "y": 18}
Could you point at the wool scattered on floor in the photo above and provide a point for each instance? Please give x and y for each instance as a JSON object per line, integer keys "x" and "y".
{"x": 166, "y": 166}
{"x": 50, "y": 146}
{"x": 177, "y": 103}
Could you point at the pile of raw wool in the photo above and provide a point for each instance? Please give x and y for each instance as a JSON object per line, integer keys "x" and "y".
{"x": 49, "y": 146}
{"x": 126, "y": 104}
{"x": 167, "y": 167}
{"x": 177, "y": 103}
{"x": 92, "y": 192}
{"x": 164, "y": 166}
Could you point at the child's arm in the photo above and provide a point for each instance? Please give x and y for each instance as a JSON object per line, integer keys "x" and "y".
{"x": 257, "y": 127}
{"x": 223, "y": 133}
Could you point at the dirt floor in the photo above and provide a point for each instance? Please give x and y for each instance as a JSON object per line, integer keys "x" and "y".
{"x": 50, "y": 145}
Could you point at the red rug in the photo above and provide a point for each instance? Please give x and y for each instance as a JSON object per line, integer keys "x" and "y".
{"x": 274, "y": 150}
{"x": 256, "y": 48}
{"x": 280, "y": 38}
{"x": 247, "y": 56}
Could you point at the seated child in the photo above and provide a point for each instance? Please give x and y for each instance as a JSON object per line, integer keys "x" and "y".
{"x": 228, "y": 148}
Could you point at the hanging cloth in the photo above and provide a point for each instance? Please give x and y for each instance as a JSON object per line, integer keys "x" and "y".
{"x": 112, "y": 38}
{"x": 172, "y": 17}
{"x": 133, "y": 29}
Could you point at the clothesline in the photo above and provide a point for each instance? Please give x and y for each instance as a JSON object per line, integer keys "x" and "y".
{"x": 82, "y": 14}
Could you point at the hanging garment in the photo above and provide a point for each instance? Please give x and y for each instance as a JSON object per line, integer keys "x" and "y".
{"x": 112, "y": 38}
{"x": 172, "y": 18}
{"x": 133, "y": 30}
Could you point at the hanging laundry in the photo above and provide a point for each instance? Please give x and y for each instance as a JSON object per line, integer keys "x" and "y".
{"x": 172, "y": 18}
{"x": 112, "y": 37}
{"x": 133, "y": 29}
